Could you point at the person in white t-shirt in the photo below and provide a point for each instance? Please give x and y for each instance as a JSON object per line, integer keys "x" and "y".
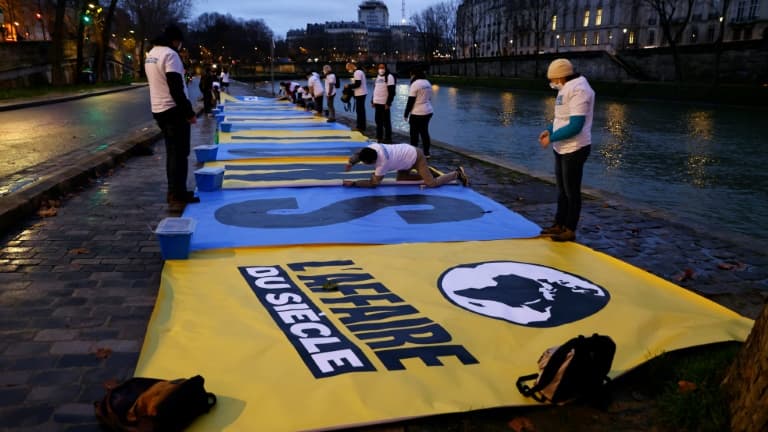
{"x": 172, "y": 110}
{"x": 361, "y": 91}
{"x": 330, "y": 91}
{"x": 224, "y": 80}
{"x": 398, "y": 157}
{"x": 571, "y": 137}
{"x": 383, "y": 95}
{"x": 315, "y": 85}
{"x": 418, "y": 109}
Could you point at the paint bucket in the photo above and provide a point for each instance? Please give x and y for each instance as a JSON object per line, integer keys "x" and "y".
{"x": 206, "y": 153}
{"x": 226, "y": 127}
{"x": 209, "y": 179}
{"x": 175, "y": 236}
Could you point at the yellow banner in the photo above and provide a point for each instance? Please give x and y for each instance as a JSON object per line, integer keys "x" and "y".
{"x": 307, "y": 338}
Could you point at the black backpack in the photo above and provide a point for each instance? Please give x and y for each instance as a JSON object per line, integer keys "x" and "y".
{"x": 153, "y": 405}
{"x": 577, "y": 369}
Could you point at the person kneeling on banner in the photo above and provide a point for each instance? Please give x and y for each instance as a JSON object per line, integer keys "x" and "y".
{"x": 398, "y": 157}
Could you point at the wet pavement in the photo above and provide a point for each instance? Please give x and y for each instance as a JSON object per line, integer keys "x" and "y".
{"x": 77, "y": 287}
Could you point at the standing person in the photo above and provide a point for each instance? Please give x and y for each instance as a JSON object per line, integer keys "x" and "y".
{"x": 172, "y": 110}
{"x": 215, "y": 88}
{"x": 383, "y": 95}
{"x": 206, "y": 89}
{"x": 418, "y": 110}
{"x": 398, "y": 157}
{"x": 571, "y": 137}
{"x": 361, "y": 91}
{"x": 331, "y": 84}
{"x": 315, "y": 85}
{"x": 225, "y": 80}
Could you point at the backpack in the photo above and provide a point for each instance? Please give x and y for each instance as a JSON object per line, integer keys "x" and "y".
{"x": 347, "y": 94}
{"x": 577, "y": 369}
{"x": 153, "y": 405}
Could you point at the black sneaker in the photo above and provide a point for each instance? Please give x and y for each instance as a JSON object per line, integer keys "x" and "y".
{"x": 331, "y": 121}
{"x": 462, "y": 176}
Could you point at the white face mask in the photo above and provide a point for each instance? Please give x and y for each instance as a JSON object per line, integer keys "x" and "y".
{"x": 556, "y": 86}
{"x": 382, "y": 71}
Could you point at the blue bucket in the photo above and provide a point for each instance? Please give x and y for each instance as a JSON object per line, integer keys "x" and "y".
{"x": 225, "y": 127}
{"x": 209, "y": 179}
{"x": 206, "y": 153}
{"x": 175, "y": 236}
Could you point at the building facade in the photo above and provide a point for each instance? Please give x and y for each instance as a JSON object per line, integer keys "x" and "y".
{"x": 490, "y": 28}
{"x": 371, "y": 39}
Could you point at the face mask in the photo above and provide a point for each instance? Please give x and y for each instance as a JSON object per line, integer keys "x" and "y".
{"x": 556, "y": 86}
{"x": 381, "y": 71}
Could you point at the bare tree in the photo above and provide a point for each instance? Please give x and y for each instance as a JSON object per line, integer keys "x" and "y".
{"x": 746, "y": 383}
{"x": 151, "y": 17}
{"x": 674, "y": 16}
{"x": 57, "y": 41}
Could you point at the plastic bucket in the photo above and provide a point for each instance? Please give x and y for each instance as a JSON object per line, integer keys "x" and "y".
{"x": 225, "y": 127}
{"x": 209, "y": 179}
{"x": 206, "y": 153}
{"x": 175, "y": 236}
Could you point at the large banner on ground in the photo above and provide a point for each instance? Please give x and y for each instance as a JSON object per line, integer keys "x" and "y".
{"x": 322, "y": 337}
{"x": 333, "y": 215}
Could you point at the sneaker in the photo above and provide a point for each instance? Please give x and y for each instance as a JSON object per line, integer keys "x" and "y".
{"x": 554, "y": 229}
{"x": 331, "y": 121}
{"x": 462, "y": 176}
{"x": 566, "y": 235}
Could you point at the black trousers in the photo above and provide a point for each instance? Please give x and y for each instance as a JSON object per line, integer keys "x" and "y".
{"x": 319, "y": 105}
{"x": 383, "y": 119}
{"x": 569, "y": 170}
{"x": 176, "y": 133}
{"x": 419, "y": 125}
{"x": 360, "y": 110}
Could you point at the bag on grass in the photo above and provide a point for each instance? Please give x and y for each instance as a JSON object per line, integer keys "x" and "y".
{"x": 577, "y": 369}
{"x": 154, "y": 405}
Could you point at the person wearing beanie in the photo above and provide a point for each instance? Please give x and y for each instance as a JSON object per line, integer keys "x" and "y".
{"x": 571, "y": 137}
{"x": 172, "y": 111}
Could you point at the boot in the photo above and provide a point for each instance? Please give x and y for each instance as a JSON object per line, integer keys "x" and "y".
{"x": 564, "y": 236}
{"x": 554, "y": 229}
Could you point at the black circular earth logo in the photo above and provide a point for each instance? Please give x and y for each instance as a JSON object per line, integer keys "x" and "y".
{"x": 522, "y": 293}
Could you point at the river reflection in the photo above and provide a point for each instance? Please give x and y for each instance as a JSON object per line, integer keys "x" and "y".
{"x": 705, "y": 165}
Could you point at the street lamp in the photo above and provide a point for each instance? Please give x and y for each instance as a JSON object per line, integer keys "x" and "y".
{"x": 624, "y": 31}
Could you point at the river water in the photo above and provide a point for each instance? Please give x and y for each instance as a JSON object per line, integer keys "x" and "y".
{"x": 702, "y": 165}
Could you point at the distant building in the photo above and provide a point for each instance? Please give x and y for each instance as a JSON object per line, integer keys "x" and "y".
{"x": 373, "y": 13}
{"x": 370, "y": 38}
{"x": 487, "y": 28}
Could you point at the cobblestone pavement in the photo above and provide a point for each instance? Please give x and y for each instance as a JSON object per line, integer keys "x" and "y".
{"x": 77, "y": 289}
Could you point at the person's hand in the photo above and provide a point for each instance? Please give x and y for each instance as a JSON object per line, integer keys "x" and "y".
{"x": 373, "y": 105}
{"x": 544, "y": 139}
{"x": 347, "y": 167}
{"x": 348, "y": 183}
{"x": 192, "y": 120}
{"x": 386, "y": 107}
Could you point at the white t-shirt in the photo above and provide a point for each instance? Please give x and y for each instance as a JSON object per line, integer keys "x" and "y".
{"x": 225, "y": 77}
{"x": 393, "y": 157}
{"x": 575, "y": 98}
{"x": 422, "y": 90}
{"x": 330, "y": 84}
{"x": 159, "y": 61}
{"x": 380, "y": 93}
{"x": 293, "y": 86}
{"x": 359, "y": 75}
{"x": 315, "y": 85}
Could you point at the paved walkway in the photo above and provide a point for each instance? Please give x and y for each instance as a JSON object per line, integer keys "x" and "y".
{"x": 77, "y": 288}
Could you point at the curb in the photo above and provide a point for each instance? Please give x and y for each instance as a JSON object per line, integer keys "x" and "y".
{"x": 58, "y": 182}
{"x": 47, "y": 101}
